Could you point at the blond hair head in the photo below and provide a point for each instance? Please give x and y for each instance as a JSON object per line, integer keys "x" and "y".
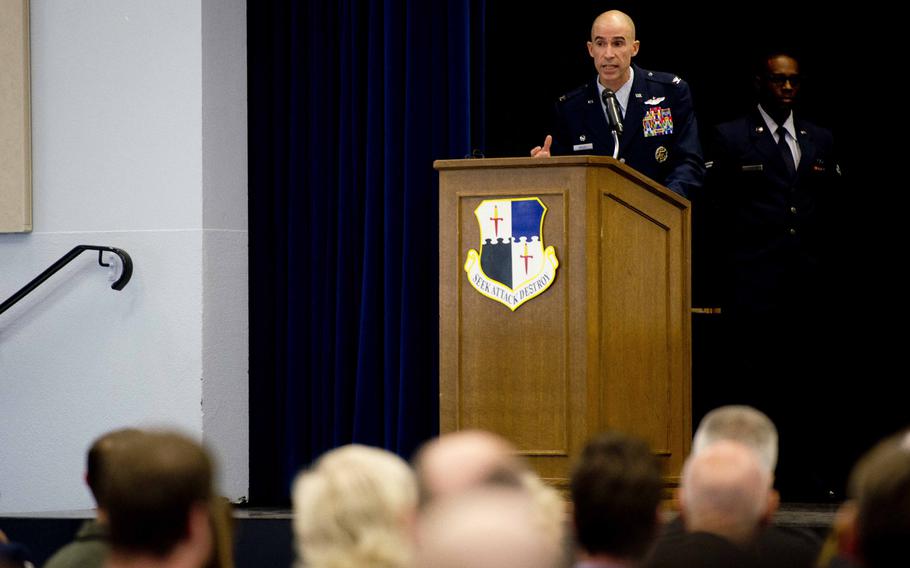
{"x": 352, "y": 509}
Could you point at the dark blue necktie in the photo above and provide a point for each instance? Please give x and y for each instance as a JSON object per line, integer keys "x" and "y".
{"x": 785, "y": 151}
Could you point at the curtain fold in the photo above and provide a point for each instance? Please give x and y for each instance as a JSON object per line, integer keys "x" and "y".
{"x": 349, "y": 104}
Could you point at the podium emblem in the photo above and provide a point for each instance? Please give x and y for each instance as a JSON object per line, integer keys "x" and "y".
{"x": 513, "y": 265}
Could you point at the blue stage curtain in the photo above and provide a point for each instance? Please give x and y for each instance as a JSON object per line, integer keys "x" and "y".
{"x": 349, "y": 104}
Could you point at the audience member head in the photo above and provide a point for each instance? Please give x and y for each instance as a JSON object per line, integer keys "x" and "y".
{"x": 726, "y": 491}
{"x": 484, "y": 527}
{"x": 98, "y": 456}
{"x": 876, "y": 526}
{"x": 460, "y": 460}
{"x": 616, "y": 491}
{"x": 157, "y": 490}
{"x": 742, "y": 424}
{"x": 354, "y": 508}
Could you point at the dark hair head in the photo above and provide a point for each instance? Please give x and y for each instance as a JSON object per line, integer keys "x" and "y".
{"x": 761, "y": 59}
{"x": 616, "y": 489}
{"x": 98, "y": 455}
{"x": 151, "y": 486}
{"x": 880, "y": 483}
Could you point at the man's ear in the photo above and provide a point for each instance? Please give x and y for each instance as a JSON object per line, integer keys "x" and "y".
{"x": 773, "y": 504}
{"x": 845, "y": 530}
{"x": 199, "y": 524}
{"x": 679, "y": 502}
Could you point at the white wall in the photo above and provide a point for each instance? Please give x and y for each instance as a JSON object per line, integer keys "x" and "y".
{"x": 225, "y": 337}
{"x": 139, "y": 142}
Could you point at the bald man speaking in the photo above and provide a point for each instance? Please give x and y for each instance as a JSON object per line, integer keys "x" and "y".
{"x": 653, "y": 110}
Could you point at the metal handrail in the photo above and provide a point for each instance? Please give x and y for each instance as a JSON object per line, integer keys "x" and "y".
{"x": 125, "y": 274}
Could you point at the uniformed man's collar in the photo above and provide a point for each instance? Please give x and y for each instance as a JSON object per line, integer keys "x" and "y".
{"x": 788, "y": 125}
{"x": 622, "y": 95}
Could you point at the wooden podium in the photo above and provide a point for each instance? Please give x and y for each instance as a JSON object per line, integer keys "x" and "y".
{"x": 606, "y": 346}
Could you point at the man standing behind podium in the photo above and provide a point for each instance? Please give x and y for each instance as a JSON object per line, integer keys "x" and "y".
{"x": 659, "y": 135}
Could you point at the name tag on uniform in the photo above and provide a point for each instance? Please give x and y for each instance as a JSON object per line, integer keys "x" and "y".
{"x": 754, "y": 168}
{"x": 588, "y": 146}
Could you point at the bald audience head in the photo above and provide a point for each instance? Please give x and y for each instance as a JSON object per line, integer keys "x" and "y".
{"x": 460, "y": 460}
{"x": 726, "y": 491}
{"x": 742, "y": 424}
{"x": 489, "y": 527}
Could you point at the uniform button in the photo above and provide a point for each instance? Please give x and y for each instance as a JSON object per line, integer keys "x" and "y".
{"x": 792, "y": 231}
{"x": 793, "y": 210}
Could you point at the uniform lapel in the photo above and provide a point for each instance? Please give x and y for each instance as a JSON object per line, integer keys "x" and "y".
{"x": 807, "y": 149}
{"x": 631, "y": 122}
{"x": 764, "y": 142}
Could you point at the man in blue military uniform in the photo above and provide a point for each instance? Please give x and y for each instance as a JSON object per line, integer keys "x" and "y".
{"x": 771, "y": 193}
{"x": 660, "y": 136}
{"x": 772, "y": 175}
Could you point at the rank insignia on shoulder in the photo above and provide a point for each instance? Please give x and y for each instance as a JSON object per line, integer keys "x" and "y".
{"x": 562, "y": 98}
{"x": 676, "y": 80}
{"x": 655, "y": 100}
{"x": 837, "y": 169}
{"x": 658, "y": 121}
{"x": 661, "y": 154}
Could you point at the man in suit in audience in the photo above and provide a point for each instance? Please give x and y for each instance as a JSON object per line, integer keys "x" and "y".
{"x": 90, "y": 547}
{"x": 484, "y": 527}
{"x": 775, "y": 545}
{"x": 459, "y": 460}
{"x": 725, "y": 499}
{"x": 158, "y": 491}
{"x": 616, "y": 489}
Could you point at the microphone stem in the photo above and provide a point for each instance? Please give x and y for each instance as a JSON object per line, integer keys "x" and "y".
{"x": 615, "y": 145}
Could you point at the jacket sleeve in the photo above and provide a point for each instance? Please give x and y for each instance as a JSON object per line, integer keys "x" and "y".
{"x": 688, "y": 173}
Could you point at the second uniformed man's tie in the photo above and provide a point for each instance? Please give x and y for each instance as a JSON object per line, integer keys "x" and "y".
{"x": 785, "y": 151}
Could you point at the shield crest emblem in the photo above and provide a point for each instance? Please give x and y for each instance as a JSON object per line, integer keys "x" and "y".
{"x": 513, "y": 265}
